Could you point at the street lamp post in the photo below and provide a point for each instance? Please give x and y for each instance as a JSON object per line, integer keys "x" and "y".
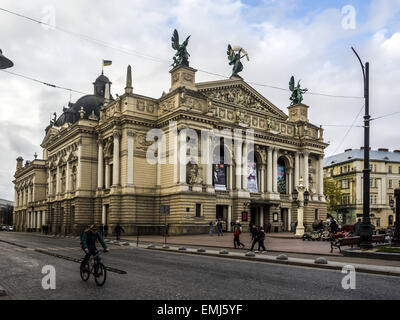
{"x": 300, "y": 196}
{"x": 5, "y": 62}
{"x": 365, "y": 228}
{"x": 396, "y": 236}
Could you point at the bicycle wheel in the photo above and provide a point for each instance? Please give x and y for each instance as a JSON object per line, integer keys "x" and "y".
{"x": 85, "y": 274}
{"x": 101, "y": 275}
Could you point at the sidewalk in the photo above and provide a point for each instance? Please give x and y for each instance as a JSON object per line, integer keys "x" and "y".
{"x": 274, "y": 242}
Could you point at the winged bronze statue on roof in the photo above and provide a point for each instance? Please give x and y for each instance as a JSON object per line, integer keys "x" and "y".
{"x": 297, "y": 92}
{"x": 181, "y": 57}
{"x": 234, "y": 56}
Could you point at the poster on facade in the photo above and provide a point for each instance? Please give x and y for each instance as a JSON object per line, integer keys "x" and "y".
{"x": 219, "y": 176}
{"x": 252, "y": 177}
{"x": 281, "y": 179}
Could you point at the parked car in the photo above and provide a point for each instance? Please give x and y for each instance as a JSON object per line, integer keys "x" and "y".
{"x": 10, "y": 228}
{"x": 4, "y": 227}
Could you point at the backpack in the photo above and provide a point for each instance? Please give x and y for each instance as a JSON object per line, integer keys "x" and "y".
{"x": 237, "y": 231}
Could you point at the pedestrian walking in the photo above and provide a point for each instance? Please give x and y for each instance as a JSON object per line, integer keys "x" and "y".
{"x": 254, "y": 236}
{"x": 211, "y": 226}
{"x": 269, "y": 227}
{"x": 219, "y": 227}
{"x": 232, "y": 226}
{"x": 118, "y": 230}
{"x": 261, "y": 238}
{"x": 236, "y": 236}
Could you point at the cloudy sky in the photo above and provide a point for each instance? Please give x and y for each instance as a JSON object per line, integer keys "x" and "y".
{"x": 309, "y": 39}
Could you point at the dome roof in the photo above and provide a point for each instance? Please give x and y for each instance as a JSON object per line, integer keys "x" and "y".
{"x": 90, "y": 103}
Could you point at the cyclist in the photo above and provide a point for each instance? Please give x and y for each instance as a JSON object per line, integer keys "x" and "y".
{"x": 88, "y": 243}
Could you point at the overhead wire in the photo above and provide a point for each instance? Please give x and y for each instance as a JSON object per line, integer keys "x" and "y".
{"x": 146, "y": 56}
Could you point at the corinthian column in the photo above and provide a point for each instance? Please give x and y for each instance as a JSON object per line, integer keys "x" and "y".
{"x": 321, "y": 178}
{"x": 116, "y": 135}
{"x": 275, "y": 170}
{"x": 269, "y": 170}
{"x": 100, "y": 164}
{"x": 305, "y": 177}
{"x": 131, "y": 141}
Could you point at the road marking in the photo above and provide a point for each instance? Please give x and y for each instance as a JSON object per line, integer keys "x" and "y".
{"x": 77, "y": 260}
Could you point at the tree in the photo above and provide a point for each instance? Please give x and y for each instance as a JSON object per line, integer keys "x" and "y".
{"x": 6, "y": 214}
{"x": 333, "y": 194}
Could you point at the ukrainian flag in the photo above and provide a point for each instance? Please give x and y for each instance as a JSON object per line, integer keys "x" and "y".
{"x": 107, "y": 62}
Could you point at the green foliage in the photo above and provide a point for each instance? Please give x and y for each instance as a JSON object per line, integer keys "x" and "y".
{"x": 333, "y": 194}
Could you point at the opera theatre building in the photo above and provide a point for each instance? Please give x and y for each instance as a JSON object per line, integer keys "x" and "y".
{"x": 200, "y": 152}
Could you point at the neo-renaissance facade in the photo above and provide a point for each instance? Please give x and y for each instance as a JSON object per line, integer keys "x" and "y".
{"x": 95, "y": 166}
{"x": 346, "y": 169}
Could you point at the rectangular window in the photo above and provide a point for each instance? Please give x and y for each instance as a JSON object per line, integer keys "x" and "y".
{"x": 316, "y": 214}
{"x": 390, "y": 169}
{"x": 345, "y": 184}
{"x": 390, "y": 183}
{"x": 198, "y": 209}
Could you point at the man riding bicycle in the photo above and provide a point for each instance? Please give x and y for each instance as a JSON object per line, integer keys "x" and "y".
{"x": 88, "y": 243}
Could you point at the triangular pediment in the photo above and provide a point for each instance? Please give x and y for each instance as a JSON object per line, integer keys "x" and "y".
{"x": 239, "y": 93}
{"x": 49, "y": 135}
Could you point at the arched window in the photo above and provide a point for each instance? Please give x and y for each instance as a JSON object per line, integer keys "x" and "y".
{"x": 281, "y": 176}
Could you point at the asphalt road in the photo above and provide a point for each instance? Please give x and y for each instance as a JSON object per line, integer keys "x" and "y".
{"x": 171, "y": 276}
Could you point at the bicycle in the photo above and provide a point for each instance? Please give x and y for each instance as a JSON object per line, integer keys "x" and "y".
{"x": 95, "y": 267}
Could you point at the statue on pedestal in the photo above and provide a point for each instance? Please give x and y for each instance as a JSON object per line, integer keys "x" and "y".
{"x": 234, "y": 58}
{"x": 297, "y": 92}
{"x": 181, "y": 57}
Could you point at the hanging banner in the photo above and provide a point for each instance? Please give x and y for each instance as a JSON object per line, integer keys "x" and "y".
{"x": 281, "y": 179}
{"x": 252, "y": 177}
{"x": 219, "y": 176}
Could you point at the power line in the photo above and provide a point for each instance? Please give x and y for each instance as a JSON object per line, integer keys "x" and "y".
{"x": 385, "y": 116}
{"x": 348, "y": 131}
{"x": 146, "y": 56}
{"x": 43, "y": 82}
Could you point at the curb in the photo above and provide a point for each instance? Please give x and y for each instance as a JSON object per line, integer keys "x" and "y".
{"x": 219, "y": 247}
{"x": 287, "y": 262}
{"x": 371, "y": 255}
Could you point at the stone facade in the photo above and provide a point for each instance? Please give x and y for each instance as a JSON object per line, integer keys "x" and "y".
{"x": 347, "y": 170}
{"x": 95, "y": 169}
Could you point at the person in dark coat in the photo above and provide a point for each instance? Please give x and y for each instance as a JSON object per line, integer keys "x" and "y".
{"x": 88, "y": 243}
{"x": 254, "y": 236}
{"x": 118, "y": 229}
{"x": 105, "y": 230}
{"x": 356, "y": 227}
{"x": 261, "y": 238}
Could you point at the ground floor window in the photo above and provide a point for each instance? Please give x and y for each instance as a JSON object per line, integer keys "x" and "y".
{"x": 198, "y": 209}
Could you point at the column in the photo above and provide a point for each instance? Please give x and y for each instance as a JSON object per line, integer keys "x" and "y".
{"x": 67, "y": 178}
{"x": 244, "y": 167}
{"x": 290, "y": 177}
{"x": 275, "y": 170}
{"x": 289, "y": 220}
{"x": 107, "y": 180}
{"x": 321, "y": 178}
{"x": 131, "y": 143}
{"x": 115, "y": 181}
{"x": 230, "y": 168}
{"x": 262, "y": 178}
{"x": 79, "y": 173}
{"x": 100, "y": 164}
{"x": 305, "y": 173}
{"x": 58, "y": 182}
{"x": 296, "y": 169}
{"x": 229, "y": 218}
{"x": 261, "y": 222}
{"x": 269, "y": 169}
{"x": 208, "y": 159}
{"x": 44, "y": 217}
{"x": 238, "y": 163}
{"x": 182, "y": 156}
{"x": 103, "y": 214}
